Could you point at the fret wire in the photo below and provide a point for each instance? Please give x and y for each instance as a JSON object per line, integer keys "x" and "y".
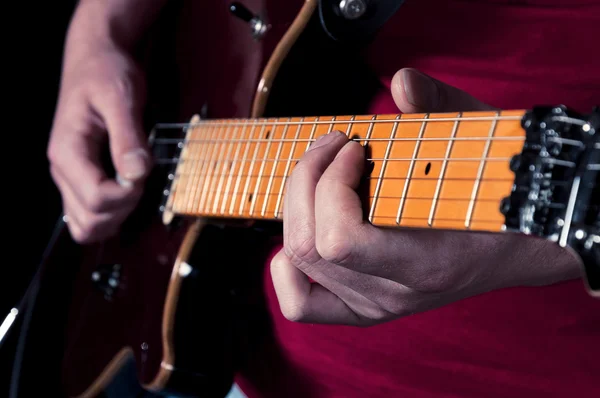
{"x": 312, "y": 134}
{"x": 195, "y": 167}
{"x": 270, "y": 182}
{"x": 475, "y": 192}
{"x": 205, "y": 200}
{"x": 441, "y": 176}
{"x": 350, "y": 125}
{"x": 200, "y": 167}
{"x": 508, "y": 138}
{"x": 411, "y": 169}
{"x": 382, "y": 171}
{"x": 241, "y": 172}
{"x": 331, "y": 125}
{"x": 287, "y": 169}
{"x": 369, "y": 132}
{"x": 231, "y": 172}
{"x": 232, "y": 164}
{"x": 260, "y": 173}
{"x": 246, "y": 186}
{"x": 260, "y": 122}
{"x": 172, "y": 199}
{"x": 219, "y": 172}
{"x": 199, "y": 191}
{"x": 225, "y": 164}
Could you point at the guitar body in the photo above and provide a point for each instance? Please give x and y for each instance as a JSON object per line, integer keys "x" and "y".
{"x": 179, "y": 307}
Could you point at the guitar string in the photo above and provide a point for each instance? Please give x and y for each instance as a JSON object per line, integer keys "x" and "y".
{"x": 404, "y": 218}
{"x": 277, "y": 121}
{"x": 489, "y": 179}
{"x": 173, "y": 141}
{"x": 351, "y": 121}
{"x": 243, "y": 213}
{"x": 428, "y": 198}
{"x": 184, "y": 141}
{"x": 429, "y": 159}
{"x": 333, "y": 122}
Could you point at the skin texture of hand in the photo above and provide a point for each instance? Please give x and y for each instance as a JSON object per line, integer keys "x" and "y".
{"x": 363, "y": 275}
{"x": 100, "y": 102}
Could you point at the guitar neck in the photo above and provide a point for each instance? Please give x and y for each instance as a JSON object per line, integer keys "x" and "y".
{"x": 443, "y": 170}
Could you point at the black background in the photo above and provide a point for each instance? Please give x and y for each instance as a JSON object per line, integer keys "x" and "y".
{"x": 32, "y": 56}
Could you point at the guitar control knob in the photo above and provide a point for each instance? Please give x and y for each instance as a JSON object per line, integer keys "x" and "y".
{"x": 353, "y": 9}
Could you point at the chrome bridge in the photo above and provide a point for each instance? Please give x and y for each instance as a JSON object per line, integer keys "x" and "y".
{"x": 556, "y": 191}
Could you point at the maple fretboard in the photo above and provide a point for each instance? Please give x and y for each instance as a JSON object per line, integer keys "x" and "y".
{"x": 443, "y": 170}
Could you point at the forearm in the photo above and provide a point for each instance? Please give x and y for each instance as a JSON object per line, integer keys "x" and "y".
{"x": 529, "y": 261}
{"x": 98, "y": 24}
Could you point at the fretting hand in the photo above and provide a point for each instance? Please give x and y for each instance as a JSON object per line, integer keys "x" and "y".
{"x": 367, "y": 275}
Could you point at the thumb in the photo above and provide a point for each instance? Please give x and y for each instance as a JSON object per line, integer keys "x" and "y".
{"x": 415, "y": 92}
{"x": 121, "y": 109}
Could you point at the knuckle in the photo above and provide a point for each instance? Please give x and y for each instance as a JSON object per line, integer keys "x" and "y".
{"x": 122, "y": 86}
{"x": 93, "y": 200}
{"x": 301, "y": 247}
{"x": 125, "y": 88}
{"x": 335, "y": 246}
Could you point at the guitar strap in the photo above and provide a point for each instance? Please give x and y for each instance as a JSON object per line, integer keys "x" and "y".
{"x": 359, "y": 30}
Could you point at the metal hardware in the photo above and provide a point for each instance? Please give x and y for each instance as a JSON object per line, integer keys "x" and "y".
{"x": 556, "y": 190}
{"x": 107, "y": 278}
{"x": 258, "y": 27}
{"x": 353, "y": 9}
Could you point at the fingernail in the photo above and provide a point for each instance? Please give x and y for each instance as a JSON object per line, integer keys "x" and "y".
{"x": 324, "y": 140}
{"x": 421, "y": 91}
{"x": 123, "y": 182}
{"x": 133, "y": 164}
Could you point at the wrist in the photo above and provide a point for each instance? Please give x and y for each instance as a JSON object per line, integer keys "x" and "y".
{"x": 109, "y": 25}
{"x": 532, "y": 261}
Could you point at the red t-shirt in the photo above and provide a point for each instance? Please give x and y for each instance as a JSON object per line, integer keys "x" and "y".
{"x": 518, "y": 342}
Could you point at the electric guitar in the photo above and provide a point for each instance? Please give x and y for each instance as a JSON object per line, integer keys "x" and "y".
{"x": 150, "y": 295}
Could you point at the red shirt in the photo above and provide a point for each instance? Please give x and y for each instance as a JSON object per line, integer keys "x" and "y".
{"x": 518, "y": 342}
